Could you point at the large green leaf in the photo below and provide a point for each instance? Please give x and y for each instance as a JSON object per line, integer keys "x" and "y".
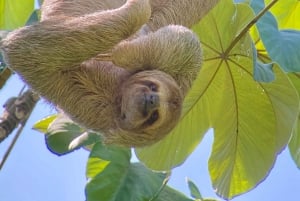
{"x": 294, "y": 145}
{"x": 14, "y": 14}
{"x": 252, "y": 121}
{"x": 112, "y": 178}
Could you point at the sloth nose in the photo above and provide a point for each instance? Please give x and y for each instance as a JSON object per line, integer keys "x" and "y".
{"x": 151, "y": 101}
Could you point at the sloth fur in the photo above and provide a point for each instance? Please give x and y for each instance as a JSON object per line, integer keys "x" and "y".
{"x": 114, "y": 66}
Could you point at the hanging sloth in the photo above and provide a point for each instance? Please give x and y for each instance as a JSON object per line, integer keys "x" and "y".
{"x": 120, "y": 68}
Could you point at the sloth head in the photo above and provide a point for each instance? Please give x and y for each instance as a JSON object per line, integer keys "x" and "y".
{"x": 149, "y": 106}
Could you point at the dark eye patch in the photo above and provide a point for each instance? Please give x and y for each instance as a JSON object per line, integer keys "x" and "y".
{"x": 152, "y": 86}
{"x": 153, "y": 118}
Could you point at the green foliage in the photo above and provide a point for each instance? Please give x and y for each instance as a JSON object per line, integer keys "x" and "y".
{"x": 195, "y": 193}
{"x": 294, "y": 145}
{"x": 43, "y": 124}
{"x": 253, "y": 121}
{"x": 287, "y": 13}
{"x": 63, "y": 135}
{"x": 113, "y": 177}
{"x": 14, "y": 14}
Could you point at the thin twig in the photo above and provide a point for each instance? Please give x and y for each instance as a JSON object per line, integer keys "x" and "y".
{"x": 164, "y": 184}
{"x": 11, "y": 146}
{"x": 22, "y": 90}
{"x": 19, "y": 131}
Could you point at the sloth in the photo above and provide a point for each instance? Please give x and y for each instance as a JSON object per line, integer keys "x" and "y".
{"x": 120, "y": 68}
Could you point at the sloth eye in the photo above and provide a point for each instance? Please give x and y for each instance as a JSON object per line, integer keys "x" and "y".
{"x": 153, "y": 87}
{"x": 153, "y": 118}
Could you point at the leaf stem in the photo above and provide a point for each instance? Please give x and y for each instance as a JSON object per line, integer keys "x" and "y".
{"x": 248, "y": 26}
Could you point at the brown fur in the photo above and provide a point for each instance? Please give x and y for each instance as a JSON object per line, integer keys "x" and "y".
{"x": 56, "y": 58}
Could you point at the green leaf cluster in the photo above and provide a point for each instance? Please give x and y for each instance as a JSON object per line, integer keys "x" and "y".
{"x": 244, "y": 93}
{"x": 111, "y": 175}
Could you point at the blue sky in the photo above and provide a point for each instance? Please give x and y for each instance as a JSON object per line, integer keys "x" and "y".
{"x": 32, "y": 173}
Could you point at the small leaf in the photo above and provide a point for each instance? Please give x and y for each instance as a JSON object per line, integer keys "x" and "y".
{"x": 43, "y": 124}
{"x": 60, "y": 134}
{"x": 195, "y": 193}
{"x": 14, "y": 14}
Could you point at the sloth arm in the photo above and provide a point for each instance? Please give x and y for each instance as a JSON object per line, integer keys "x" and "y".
{"x": 172, "y": 49}
{"x": 75, "y": 8}
{"x": 179, "y": 12}
{"x": 51, "y": 46}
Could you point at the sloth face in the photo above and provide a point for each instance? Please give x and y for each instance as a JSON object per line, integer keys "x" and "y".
{"x": 151, "y": 103}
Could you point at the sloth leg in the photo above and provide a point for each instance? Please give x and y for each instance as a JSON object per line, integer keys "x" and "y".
{"x": 75, "y": 8}
{"x": 179, "y": 12}
{"x": 172, "y": 49}
{"x": 51, "y": 46}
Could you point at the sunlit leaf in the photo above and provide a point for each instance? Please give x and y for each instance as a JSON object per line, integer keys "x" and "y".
{"x": 95, "y": 165}
{"x": 294, "y": 145}
{"x": 15, "y": 13}
{"x": 287, "y": 13}
{"x": 283, "y": 46}
{"x": 252, "y": 121}
{"x": 43, "y": 124}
